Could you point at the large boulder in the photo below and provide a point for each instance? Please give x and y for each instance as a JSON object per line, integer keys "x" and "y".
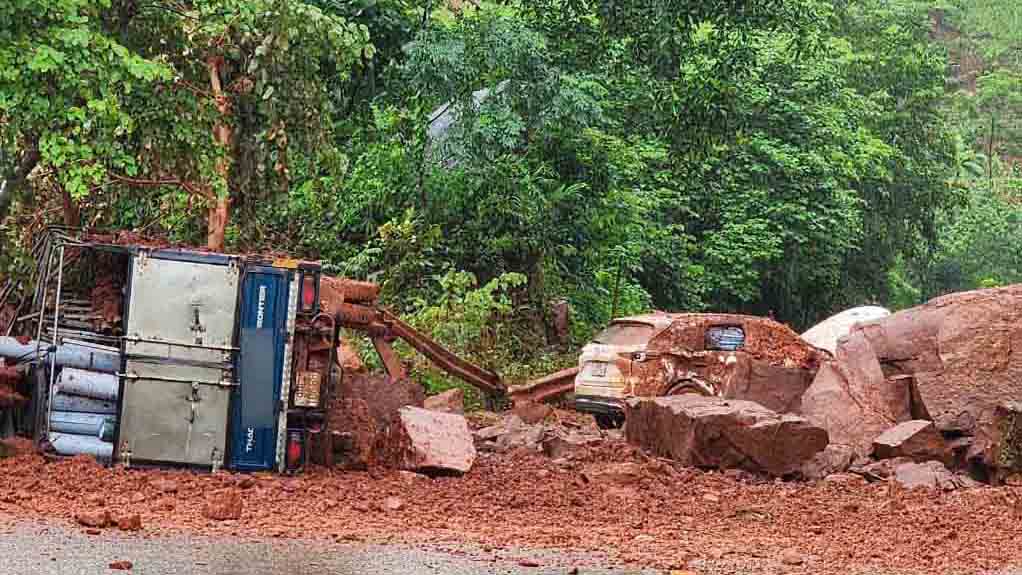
{"x": 918, "y": 440}
{"x": 963, "y": 355}
{"x": 775, "y": 387}
{"x": 428, "y": 441}
{"x": 852, "y": 398}
{"x": 717, "y": 432}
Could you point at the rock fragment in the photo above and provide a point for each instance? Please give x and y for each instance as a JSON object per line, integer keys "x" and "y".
{"x": 122, "y": 565}
{"x": 792, "y": 557}
{"x": 94, "y": 519}
{"x": 130, "y": 522}
{"x": 715, "y": 432}
{"x": 450, "y": 401}
{"x": 961, "y": 354}
{"x": 558, "y": 444}
{"x": 931, "y": 474}
{"x": 834, "y": 459}
{"x": 392, "y": 504}
{"x": 917, "y": 439}
{"x": 531, "y": 412}
{"x": 224, "y": 505}
{"x": 428, "y": 441}
{"x": 620, "y": 474}
{"x": 164, "y": 485}
{"x": 877, "y": 470}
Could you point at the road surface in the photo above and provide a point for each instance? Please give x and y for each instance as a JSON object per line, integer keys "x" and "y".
{"x": 54, "y": 549}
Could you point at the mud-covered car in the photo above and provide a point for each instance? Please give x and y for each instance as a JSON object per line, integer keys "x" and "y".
{"x": 726, "y": 355}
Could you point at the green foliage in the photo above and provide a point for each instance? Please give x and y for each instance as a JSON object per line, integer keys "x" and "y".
{"x": 787, "y": 156}
{"x": 66, "y": 87}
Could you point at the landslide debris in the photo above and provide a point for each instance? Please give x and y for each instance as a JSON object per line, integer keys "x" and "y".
{"x": 722, "y": 433}
{"x": 955, "y": 360}
{"x": 606, "y": 497}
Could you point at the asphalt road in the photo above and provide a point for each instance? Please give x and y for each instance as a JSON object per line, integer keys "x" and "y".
{"x": 48, "y": 549}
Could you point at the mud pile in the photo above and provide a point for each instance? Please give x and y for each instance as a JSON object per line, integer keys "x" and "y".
{"x": 359, "y": 413}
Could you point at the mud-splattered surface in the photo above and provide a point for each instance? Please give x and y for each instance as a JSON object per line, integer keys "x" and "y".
{"x": 764, "y": 338}
{"x": 658, "y": 516}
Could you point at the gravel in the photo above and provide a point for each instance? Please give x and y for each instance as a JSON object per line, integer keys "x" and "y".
{"x": 42, "y": 549}
{"x": 660, "y": 516}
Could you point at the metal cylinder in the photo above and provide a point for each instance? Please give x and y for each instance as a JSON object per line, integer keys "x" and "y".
{"x": 80, "y": 404}
{"x": 68, "y": 355}
{"x": 70, "y": 444}
{"x": 108, "y": 429}
{"x": 88, "y": 383}
{"x": 78, "y": 423}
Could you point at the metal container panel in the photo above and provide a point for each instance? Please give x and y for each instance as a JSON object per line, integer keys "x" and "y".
{"x": 179, "y": 338}
{"x": 263, "y": 335}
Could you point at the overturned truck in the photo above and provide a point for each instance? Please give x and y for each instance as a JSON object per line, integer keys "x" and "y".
{"x": 145, "y": 354}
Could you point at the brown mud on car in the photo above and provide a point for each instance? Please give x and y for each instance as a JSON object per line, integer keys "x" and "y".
{"x": 724, "y": 355}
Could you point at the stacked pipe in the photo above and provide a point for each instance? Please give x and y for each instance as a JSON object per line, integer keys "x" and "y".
{"x": 83, "y": 412}
{"x": 83, "y": 406}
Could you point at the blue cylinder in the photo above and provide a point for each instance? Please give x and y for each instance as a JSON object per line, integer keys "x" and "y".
{"x": 68, "y": 355}
{"x": 73, "y": 381}
{"x": 69, "y": 444}
{"x": 80, "y": 404}
{"x": 78, "y": 423}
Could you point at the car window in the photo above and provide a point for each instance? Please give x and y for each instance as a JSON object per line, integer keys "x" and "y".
{"x": 625, "y": 334}
{"x": 725, "y": 337}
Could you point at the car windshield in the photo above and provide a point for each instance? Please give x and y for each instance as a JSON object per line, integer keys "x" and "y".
{"x": 625, "y": 334}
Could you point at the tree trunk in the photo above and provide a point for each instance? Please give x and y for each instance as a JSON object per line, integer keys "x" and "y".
{"x": 72, "y": 215}
{"x": 13, "y": 182}
{"x": 219, "y": 212}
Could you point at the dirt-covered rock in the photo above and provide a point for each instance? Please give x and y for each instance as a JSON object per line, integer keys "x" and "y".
{"x": 852, "y": 398}
{"x": 450, "y": 401}
{"x": 834, "y": 459}
{"x": 224, "y": 505}
{"x": 917, "y": 439}
{"x": 721, "y": 433}
{"x": 962, "y": 354}
{"x": 929, "y": 474}
{"x": 428, "y": 441}
{"x": 95, "y": 519}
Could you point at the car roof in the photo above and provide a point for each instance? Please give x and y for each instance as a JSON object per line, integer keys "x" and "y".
{"x": 663, "y": 320}
{"x": 658, "y": 320}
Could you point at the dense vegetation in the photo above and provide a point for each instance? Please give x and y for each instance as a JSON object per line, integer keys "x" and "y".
{"x": 485, "y": 159}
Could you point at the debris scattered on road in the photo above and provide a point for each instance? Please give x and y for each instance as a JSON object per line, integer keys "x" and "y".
{"x": 225, "y": 505}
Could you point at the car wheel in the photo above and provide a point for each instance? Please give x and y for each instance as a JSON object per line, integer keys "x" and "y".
{"x": 607, "y": 421}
